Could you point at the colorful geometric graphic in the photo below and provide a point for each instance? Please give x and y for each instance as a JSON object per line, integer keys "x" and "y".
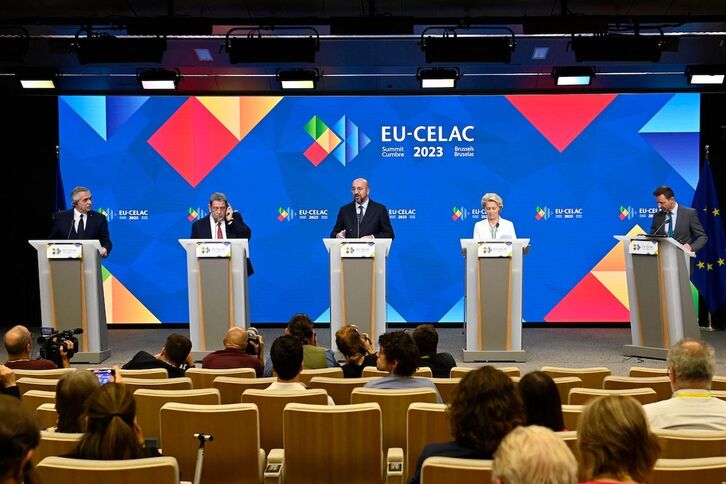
{"x": 344, "y": 140}
{"x": 105, "y": 114}
{"x": 192, "y": 215}
{"x": 457, "y": 214}
{"x": 624, "y": 213}
{"x": 121, "y": 305}
{"x": 542, "y": 213}
{"x": 282, "y": 214}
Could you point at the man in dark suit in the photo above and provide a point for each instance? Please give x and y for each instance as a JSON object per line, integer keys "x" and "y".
{"x": 677, "y": 221}
{"x": 222, "y": 223}
{"x": 81, "y": 223}
{"x": 362, "y": 218}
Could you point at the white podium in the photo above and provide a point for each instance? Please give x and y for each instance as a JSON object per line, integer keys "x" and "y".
{"x": 71, "y": 293}
{"x": 494, "y": 299}
{"x": 218, "y": 294}
{"x": 358, "y": 284}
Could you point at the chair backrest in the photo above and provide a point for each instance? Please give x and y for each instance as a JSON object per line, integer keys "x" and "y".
{"x": 333, "y": 444}
{"x": 580, "y": 396}
{"x": 46, "y": 415}
{"x": 55, "y": 443}
{"x": 32, "y": 399}
{"x": 27, "y": 383}
{"x": 154, "y": 373}
{"x": 718, "y": 383}
{"x": 661, "y": 384}
{"x": 307, "y": 375}
{"x": 591, "y": 377}
{"x": 231, "y": 389}
{"x": 446, "y": 387}
{"x": 691, "y": 444}
{"x": 720, "y": 394}
{"x": 426, "y": 423}
{"x": 394, "y": 407}
{"x": 154, "y": 470}
{"x": 460, "y": 471}
{"x": 564, "y": 384}
{"x": 149, "y": 402}
{"x": 233, "y": 456}
{"x": 339, "y": 389}
{"x": 570, "y": 438}
{"x": 678, "y": 471}
{"x": 271, "y": 404}
{"x": 204, "y": 377}
{"x": 372, "y": 371}
{"x": 134, "y": 384}
{"x": 54, "y": 374}
{"x": 645, "y": 372}
{"x": 571, "y": 415}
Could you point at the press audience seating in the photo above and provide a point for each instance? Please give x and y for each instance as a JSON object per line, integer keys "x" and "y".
{"x": 460, "y": 371}
{"x": 591, "y": 377}
{"x": 54, "y": 444}
{"x": 54, "y": 374}
{"x": 661, "y": 384}
{"x": 426, "y": 423}
{"x": 639, "y": 371}
{"x": 231, "y": 389}
{"x": 46, "y": 415}
{"x": 460, "y": 471}
{"x": 580, "y": 396}
{"x": 32, "y": 399}
{"x": 159, "y": 373}
{"x": 682, "y": 471}
{"x": 154, "y": 470}
{"x": 446, "y": 387}
{"x": 27, "y": 383}
{"x": 371, "y": 371}
{"x": 339, "y": 389}
{"x": 571, "y": 415}
{"x": 204, "y": 377}
{"x": 690, "y": 444}
{"x": 134, "y": 384}
{"x": 307, "y": 375}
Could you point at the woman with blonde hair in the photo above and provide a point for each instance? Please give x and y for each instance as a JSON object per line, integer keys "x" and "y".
{"x": 614, "y": 441}
{"x": 494, "y": 227}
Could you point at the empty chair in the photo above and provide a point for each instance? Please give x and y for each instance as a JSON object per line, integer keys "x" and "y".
{"x": 158, "y": 373}
{"x": 204, "y": 377}
{"x": 591, "y": 377}
{"x": 234, "y": 456}
{"x": 426, "y": 423}
{"x": 307, "y": 375}
{"x": 580, "y": 396}
{"x": 446, "y": 387}
{"x": 149, "y": 401}
{"x": 46, "y": 415}
{"x": 54, "y": 444}
{"x": 32, "y": 399}
{"x": 371, "y": 371}
{"x": 661, "y": 384}
{"x": 271, "y": 404}
{"x": 155, "y": 470}
{"x": 571, "y": 415}
{"x": 566, "y": 383}
{"x": 339, "y": 389}
{"x": 459, "y": 471}
{"x": 640, "y": 371}
{"x": 231, "y": 389}
{"x": 689, "y": 444}
{"x": 134, "y": 384}
{"x": 679, "y": 471}
{"x": 53, "y": 374}
{"x": 27, "y": 383}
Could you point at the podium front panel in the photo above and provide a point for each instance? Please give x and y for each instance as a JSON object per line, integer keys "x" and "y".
{"x": 67, "y": 289}
{"x": 494, "y": 303}
{"x": 357, "y": 290}
{"x": 648, "y": 293}
{"x": 216, "y": 305}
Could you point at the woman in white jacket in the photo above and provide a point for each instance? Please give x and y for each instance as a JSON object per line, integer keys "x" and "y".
{"x": 494, "y": 227}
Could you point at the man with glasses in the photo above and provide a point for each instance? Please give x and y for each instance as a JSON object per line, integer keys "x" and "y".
{"x": 362, "y": 218}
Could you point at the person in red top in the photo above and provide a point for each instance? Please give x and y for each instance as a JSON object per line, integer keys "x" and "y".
{"x": 234, "y": 354}
{"x": 19, "y": 345}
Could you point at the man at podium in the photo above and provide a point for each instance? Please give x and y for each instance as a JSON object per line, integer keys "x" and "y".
{"x": 362, "y": 218}
{"x": 494, "y": 227}
{"x": 677, "y": 221}
{"x": 81, "y": 223}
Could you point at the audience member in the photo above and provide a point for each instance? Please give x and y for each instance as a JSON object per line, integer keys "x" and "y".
{"x": 287, "y": 360}
{"x": 19, "y": 435}
{"x": 71, "y": 393}
{"x": 234, "y": 354}
{"x": 614, "y": 441}
{"x": 427, "y": 341}
{"x": 301, "y": 327}
{"x": 357, "y": 350}
{"x": 175, "y": 357}
{"x": 486, "y": 406}
{"x": 111, "y": 430}
{"x": 398, "y": 355}
{"x": 19, "y": 345}
{"x": 7, "y": 382}
{"x": 533, "y": 455}
{"x": 541, "y": 401}
{"x": 691, "y": 365}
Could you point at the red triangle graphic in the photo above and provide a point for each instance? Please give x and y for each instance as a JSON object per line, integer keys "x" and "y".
{"x": 588, "y": 302}
{"x": 561, "y": 117}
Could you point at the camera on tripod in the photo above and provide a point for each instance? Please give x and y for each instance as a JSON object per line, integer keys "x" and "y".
{"x": 51, "y": 342}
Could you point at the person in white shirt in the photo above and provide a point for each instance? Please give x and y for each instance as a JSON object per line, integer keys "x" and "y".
{"x": 286, "y": 354}
{"x": 494, "y": 227}
{"x": 691, "y": 365}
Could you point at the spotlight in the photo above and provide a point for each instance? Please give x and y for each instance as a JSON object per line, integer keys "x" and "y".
{"x": 40, "y": 78}
{"x": 441, "y": 78}
{"x": 573, "y": 76}
{"x": 706, "y": 74}
{"x": 271, "y": 49}
{"x": 298, "y": 78}
{"x": 159, "y": 78}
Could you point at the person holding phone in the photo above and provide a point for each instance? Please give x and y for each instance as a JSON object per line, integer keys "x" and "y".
{"x": 82, "y": 223}
{"x": 223, "y": 223}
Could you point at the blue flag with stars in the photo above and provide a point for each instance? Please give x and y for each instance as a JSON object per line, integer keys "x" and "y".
{"x": 709, "y": 274}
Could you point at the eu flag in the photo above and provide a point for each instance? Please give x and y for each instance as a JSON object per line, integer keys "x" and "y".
{"x": 709, "y": 273}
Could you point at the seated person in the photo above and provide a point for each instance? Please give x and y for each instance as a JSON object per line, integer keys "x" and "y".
{"x": 287, "y": 361}
{"x": 7, "y": 382}
{"x": 71, "y": 393}
{"x": 541, "y": 401}
{"x": 399, "y": 356}
{"x": 19, "y": 435}
{"x": 19, "y": 345}
{"x": 357, "y": 350}
{"x": 234, "y": 355}
{"x": 486, "y": 406}
{"x": 175, "y": 357}
{"x": 614, "y": 441}
{"x": 427, "y": 340}
{"x": 301, "y": 327}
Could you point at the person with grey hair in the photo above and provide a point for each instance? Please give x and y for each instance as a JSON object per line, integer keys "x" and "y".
{"x": 223, "y": 223}
{"x": 691, "y": 365}
{"x": 82, "y": 223}
{"x": 494, "y": 227}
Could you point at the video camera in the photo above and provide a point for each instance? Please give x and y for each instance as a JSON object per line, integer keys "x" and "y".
{"x": 51, "y": 342}
{"x": 253, "y": 340}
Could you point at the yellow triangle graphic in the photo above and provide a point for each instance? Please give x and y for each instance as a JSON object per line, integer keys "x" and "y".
{"x": 615, "y": 259}
{"x": 616, "y": 283}
{"x": 252, "y": 110}
{"x": 122, "y": 306}
{"x": 226, "y": 110}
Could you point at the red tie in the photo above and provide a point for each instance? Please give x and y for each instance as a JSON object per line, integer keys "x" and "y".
{"x": 219, "y": 230}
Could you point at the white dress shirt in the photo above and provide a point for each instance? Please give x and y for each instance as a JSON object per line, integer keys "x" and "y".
{"x": 505, "y": 231}
{"x": 214, "y": 227}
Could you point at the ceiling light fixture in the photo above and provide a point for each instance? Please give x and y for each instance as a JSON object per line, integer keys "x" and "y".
{"x": 438, "y": 77}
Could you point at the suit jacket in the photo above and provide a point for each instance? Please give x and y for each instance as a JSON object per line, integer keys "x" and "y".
{"x": 375, "y": 222}
{"x": 236, "y": 229}
{"x": 688, "y": 229}
{"x": 95, "y": 223}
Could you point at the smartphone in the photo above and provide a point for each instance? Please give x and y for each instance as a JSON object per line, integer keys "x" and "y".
{"x": 104, "y": 375}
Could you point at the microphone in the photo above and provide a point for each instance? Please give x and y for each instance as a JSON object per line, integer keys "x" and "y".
{"x": 70, "y": 229}
{"x": 495, "y": 230}
{"x": 204, "y": 437}
{"x": 667, "y": 219}
{"x": 358, "y": 216}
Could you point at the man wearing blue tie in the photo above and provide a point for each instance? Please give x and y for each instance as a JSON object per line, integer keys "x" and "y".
{"x": 677, "y": 221}
{"x": 362, "y": 218}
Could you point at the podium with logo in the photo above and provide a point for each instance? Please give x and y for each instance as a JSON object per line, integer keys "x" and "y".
{"x": 358, "y": 284}
{"x": 71, "y": 293}
{"x": 493, "y": 300}
{"x": 662, "y": 310}
{"x": 218, "y": 294}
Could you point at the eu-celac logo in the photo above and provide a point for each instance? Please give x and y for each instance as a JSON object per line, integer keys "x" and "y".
{"x": 106, "y": 212}
{"x": 284, "y": 214}
{"x": 542, "y": 213}
{"x": 459, "y": 213}
{"x": 344, "y": 140}
{"x": 192, "y": 214}
{"x": 626, "y": 212}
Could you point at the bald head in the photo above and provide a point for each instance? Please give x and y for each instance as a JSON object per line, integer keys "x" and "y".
{"x": 235, "y": 338}
{"x": 360, "y": 190}
{"x": 17, "y": 341}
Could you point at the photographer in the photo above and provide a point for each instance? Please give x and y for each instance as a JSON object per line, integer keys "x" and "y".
{"x": 19, "y": 345}
{"x": 357, "y": 349}
{"x": 242, "y": 349}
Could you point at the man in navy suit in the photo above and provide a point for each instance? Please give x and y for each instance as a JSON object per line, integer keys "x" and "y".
{"x": 222, "y": 223}
{"x": 81, "y": 223}
{"x": 362, "y": 218}
{"x": 677, "y": 221}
